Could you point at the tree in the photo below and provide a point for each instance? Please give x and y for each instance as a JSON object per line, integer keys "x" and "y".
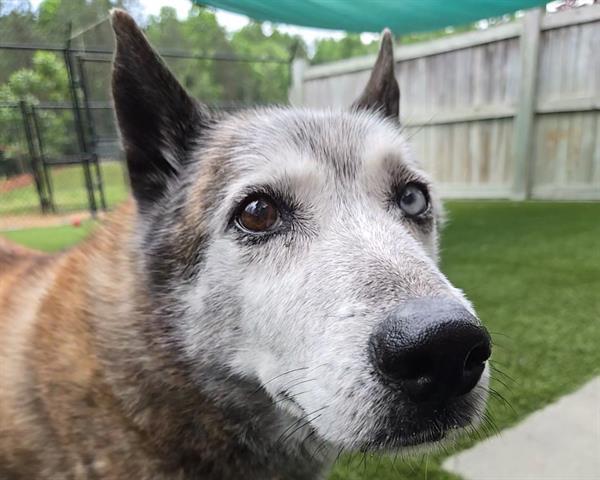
{"x": 55, "y": 16}
{"x": 330, "y": 49}
{"x": 264, "y": 82}
{"x": 45, "y": 81}
{"x": 199, "y": 34}
{"x": 17, "y": 26}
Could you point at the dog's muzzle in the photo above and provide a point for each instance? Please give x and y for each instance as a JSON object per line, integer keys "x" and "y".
{"x": 431, "y": 349}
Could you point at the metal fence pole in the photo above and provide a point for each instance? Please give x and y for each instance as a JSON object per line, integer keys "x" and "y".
{"x": 43, "y": 160}
{"x": 91, "y": 130}
{"x": 33, "y": 155}
{"x": 79, "y": 130}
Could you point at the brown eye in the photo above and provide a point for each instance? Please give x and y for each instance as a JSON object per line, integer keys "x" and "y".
{"x": 258, "y": 215}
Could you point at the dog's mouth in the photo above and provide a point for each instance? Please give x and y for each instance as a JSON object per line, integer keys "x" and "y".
{"x": 409, "y": 427}
{"x": 429, "y": 435}
{"x": 425, "y": 426}
{"x": 387, "y": 441}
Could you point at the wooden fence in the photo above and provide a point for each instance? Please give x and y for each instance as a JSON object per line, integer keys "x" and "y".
{"x": 512, "y": 111}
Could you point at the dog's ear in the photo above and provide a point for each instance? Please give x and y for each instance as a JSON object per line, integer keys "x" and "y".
{"x": 158, "y": 120}
{"x": 382, "y": 92}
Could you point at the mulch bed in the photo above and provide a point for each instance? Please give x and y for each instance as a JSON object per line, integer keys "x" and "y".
{"x": 18, "y": 181}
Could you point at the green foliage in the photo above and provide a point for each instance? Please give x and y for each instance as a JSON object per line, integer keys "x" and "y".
{"x": 263, "y": 82}
{"x": 45, "y": 81}
{"x": 17, "y": 26}
{"x": 199, "y": 34}
{"x": 55, "y": 16}
{"x": 216, "y": 81}
{"x": 330, "y": 49}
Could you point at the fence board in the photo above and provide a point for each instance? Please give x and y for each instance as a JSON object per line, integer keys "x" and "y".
{"x": 596, "y": 156}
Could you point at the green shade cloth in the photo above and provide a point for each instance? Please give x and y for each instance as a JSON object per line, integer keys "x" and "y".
{"x": 400, "y": 16}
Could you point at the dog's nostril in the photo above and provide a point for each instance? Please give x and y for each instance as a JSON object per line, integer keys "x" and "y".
{"x": 405, "y": 366}
{"x": 477, "y": 357}
{"x": 421, "y": 367}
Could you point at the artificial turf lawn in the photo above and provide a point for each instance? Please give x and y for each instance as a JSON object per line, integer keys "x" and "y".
{"x": 532, "y": 271}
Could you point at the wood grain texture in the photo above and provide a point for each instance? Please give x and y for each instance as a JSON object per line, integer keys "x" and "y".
{"x": 459, "y": 102}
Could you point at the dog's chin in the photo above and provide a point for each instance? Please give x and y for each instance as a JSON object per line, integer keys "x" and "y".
{"x": 415, "y": 441}
{"x": 429, "y": 427}
{"x": 407, "y": 428}
{"x": 416, "y": 429}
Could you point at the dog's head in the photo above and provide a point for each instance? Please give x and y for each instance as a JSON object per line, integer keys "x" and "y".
{"x": 297, "y": 249}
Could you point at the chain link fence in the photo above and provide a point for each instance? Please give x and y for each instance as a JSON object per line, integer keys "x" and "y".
{"x": 59, "y": 146}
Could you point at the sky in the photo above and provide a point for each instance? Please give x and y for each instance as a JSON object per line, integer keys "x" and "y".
{"x": 233, "y": 21}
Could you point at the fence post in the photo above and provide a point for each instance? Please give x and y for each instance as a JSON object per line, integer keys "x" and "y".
{"x": 524, "y": 122}
{"x": 92, "y": 145}
{"x": 296, "y": 94}
{"x": 84, "y": 153}
{"x": 35, "y": 164}
{"x": 43, "y": 160}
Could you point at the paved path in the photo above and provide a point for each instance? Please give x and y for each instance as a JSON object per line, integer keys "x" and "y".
{"x": 559, "y": 442}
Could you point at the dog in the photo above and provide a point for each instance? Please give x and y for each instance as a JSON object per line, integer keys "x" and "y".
{"x": 268, "y": 298}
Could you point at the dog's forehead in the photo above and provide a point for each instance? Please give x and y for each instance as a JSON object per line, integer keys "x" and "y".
{"x": 343, "y": 143}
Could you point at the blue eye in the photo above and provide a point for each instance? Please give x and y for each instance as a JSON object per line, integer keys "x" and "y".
{"x": 413, "y": 200}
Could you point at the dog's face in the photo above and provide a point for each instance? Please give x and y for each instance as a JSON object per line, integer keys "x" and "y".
{"x": 298, "y": 249}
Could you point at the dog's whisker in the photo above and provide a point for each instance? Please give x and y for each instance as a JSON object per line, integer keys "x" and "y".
{"x": 378, "y": 463}
{"x": 282, "y": 398}
{"x": 262, "y": 385}
{"x": 501, "y": 382}
{"x": 321, "y": 445}
{"x": 302, "y": 425}
{"x": 502, "y": 346}
{"x": 289, "y": 387}
{"x": 501, "y": 334}
{"x": 499, "y": 396}
{"x": 339, "y": 454}
{"x": 495, "y": 361}
{"x": 489, "y": 420}
{"x": 495, "y": 369}
{"x": 305, "y": 439}
{"x": 300, "y": 420}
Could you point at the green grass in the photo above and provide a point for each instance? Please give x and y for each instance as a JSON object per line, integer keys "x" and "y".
{"x": 50, "y": 239}
{"x": 69, "y": 190}
{"x": 533, "y": 273}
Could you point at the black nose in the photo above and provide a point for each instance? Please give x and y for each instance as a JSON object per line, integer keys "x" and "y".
{"x": 432, "y": 349}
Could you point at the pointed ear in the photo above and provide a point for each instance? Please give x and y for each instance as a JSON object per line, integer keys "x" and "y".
{"x": 382, "y": 92}
{"x": 158, "y": 121}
